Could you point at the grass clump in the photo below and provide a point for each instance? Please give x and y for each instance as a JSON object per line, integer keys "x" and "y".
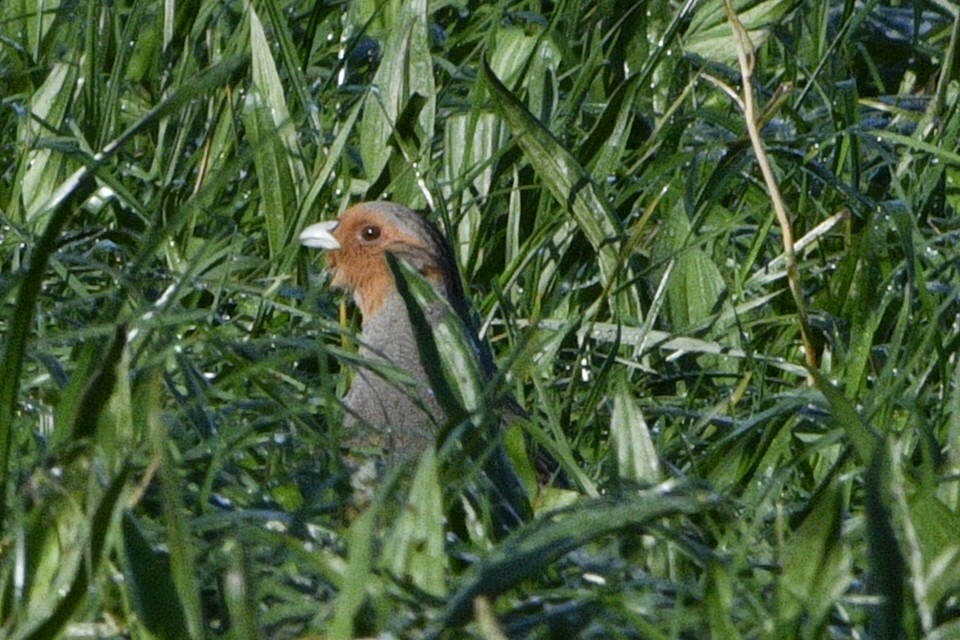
{"x": 758, "y": 412}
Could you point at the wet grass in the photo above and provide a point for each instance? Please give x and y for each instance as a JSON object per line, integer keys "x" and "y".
{"x": 758, "y": 412}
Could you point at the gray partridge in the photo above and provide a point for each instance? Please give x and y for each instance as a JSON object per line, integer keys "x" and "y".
{"x": 382, "y": 411}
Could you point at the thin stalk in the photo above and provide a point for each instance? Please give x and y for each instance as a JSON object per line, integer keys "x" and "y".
{"x": 748, "y": 105}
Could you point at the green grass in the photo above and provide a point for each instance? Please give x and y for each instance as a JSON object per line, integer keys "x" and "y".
{"x": 172, "y": 358}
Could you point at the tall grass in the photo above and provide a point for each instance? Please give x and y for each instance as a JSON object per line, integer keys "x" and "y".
{"x": 172, "y": 360}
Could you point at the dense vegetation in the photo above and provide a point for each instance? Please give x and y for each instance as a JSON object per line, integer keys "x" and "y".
{"x": 720, "y": 273}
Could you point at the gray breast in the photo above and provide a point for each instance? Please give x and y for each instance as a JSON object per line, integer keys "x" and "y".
{"x": 390, "y": 405}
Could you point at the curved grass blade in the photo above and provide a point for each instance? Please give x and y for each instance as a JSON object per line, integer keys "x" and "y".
{"x": 541, "y": 543}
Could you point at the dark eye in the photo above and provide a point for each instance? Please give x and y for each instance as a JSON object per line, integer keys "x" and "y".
{"x": 370, "y": 233}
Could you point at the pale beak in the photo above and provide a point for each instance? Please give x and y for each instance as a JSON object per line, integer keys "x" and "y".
{"x": 320, "y": 236}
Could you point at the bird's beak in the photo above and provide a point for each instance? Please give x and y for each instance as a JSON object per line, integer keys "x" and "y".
{"x": 320, "y": 236}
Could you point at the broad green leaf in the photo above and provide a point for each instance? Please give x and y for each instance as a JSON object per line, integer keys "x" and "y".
{"x": 636, "y": 456}
{"x": 30, "y": 20}
{"x": 291, "y": 63}
{"x": 888, "y": 570}
{"x": 406, "y": 69}
{"x": 472, "y": 435}
{"x": 51, "y": 545}
{"x": 709, "y": 35}
{"x": 720, "y": 602}
{"x": 277, "y": 154}
{"x": 146, "y": 20}
{"x": 458, "y": 381}
{"x": 414, "y": 549}
{"x": 530, "y": 54}
{"x": 46, "y": 168}
{"x": 696, "y": 294}
{"x": 277, "y": 189}
{"x": 815, "y": 567}
{"x": 865, "y": 300}
{"x": 472, "y": 140}
{"x": 89, "y": 536}
{"x": 934, "y": 527}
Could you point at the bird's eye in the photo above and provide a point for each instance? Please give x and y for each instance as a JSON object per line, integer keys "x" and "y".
{"x": 370, "y": 233}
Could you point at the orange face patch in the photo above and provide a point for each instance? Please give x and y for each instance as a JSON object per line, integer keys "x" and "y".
{"x": 360, "y": 265}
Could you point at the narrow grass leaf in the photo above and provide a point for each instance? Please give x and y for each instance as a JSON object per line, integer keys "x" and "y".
{"x": 358, "y": 577}
{"x": 866, "y": 301}
{"x": 861, "y": 436}
{"x": 154, "y": 594}
{"x": 945, "y": 155}
{"x": 888, "y": 572}
{"x": 335, "y": 155}
{"x": 182, "y": 551}
{"x": 291, "y": 63}
{"x": 719, "y": 601}
{"x": 240, "y": 593}
{"x": 22, "y": 315}
{"x": 63, "y": 204}
{"x": 616, "y": 122}
{"x": 138, "y": 187}
{"x": 100, "y": 388}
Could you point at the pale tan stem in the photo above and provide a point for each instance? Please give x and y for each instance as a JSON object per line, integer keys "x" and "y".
{"x": 745, "y": 55}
